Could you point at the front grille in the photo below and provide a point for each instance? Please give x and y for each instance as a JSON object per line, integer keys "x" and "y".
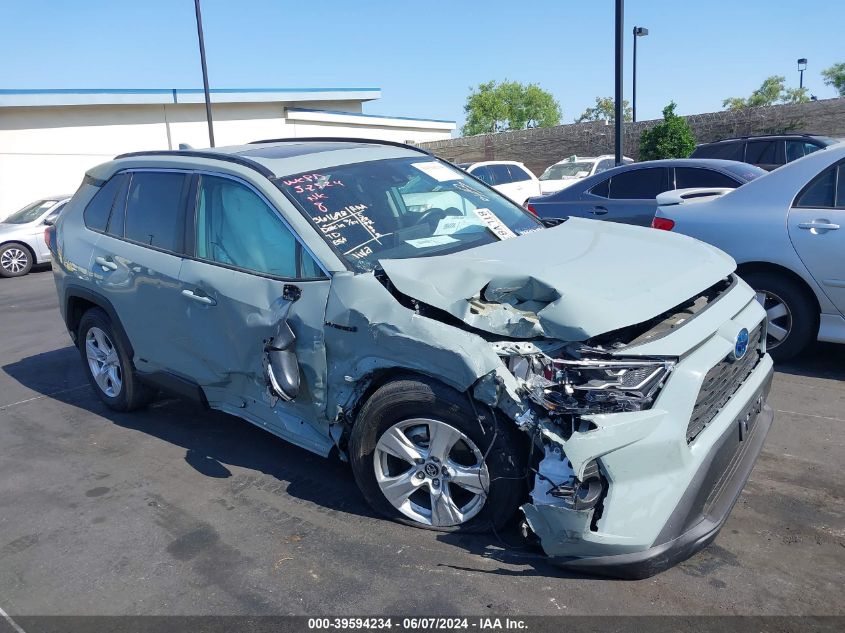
{"x": 720, "y": 383}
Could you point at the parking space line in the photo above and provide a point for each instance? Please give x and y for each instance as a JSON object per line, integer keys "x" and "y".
{"x": 46, "y": 395}
{"x": 810, "y": 415}
{"x": 11, "y": 622}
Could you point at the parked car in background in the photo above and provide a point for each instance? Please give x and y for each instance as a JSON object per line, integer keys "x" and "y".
{"x": 512, "y": 179}
{"x": 768, "y": 152}
{"x": 569, "y": 171}
{"x": 627, "y": 193}
{"x": 289, "y": 284}
{"x": 22, "y": 242}
{"x": 787, "y": 233}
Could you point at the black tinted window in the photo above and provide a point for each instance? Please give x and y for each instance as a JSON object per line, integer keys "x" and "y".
{"x": 96, "y": 214}
{"x": 601, "y": 189}
{"x": 726, "y": 151}
{"x": 155, "y": 209}
{"x": 484, "y": 174}
{"x": 698, "y": 177}
{"x": 501, "y": 175}
{"x": 518, "y": 174}
{"x": 760, "y": 153}
{"x": 639, "y": 184}
{"x": 820, "y": 192}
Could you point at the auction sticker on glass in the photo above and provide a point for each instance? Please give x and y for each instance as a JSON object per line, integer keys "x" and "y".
{"x": 498, "y": 228}
{"x": 438, "y": 171}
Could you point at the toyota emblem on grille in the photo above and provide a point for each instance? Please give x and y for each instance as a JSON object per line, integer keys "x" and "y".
{"x": 741, "y": 345}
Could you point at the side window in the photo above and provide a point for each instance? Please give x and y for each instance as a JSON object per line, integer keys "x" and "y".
{"x": 699, "y": 177}
{"x": 795, "y": 150}
{"x": 602, "y": 189}
{"x": 96, "y": 214}
{"x": 731, "y": 150}
{"x": 761, "y": 153}
{"x": 501, "y": 175}
{"x": 639, "y": 184}
{"x": 236, "y": 227}
{"x": 518, "y": 174}
{"x": 821, "y": 191}
{"x": 604, "y": 165}
{"x": 484, "y": 174}
{"x": 155, "y": 209}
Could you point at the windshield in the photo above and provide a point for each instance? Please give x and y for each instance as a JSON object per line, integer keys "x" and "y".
{"x": 30, "y": 212}
{"x": 403, "y": 208}
{"x": 564, "y": 170}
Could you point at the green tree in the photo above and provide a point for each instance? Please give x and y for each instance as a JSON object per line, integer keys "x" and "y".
{"x": 605, "y": 110}
{"x": 510, "y": 105}
{"x": 672, "y": 138}
{"x": 835, "y": 76}
{"x": 773, "y": 90}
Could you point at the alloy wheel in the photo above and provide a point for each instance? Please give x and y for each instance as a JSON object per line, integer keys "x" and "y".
{"x": 778, "y": 317}
{"x": 104, "y": 362}
{"x": 431, "y": 472}
{"x": 14, "y": 260}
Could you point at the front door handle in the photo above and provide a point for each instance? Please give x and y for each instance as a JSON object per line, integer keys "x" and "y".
{"x": 820, "y": 226}
{"x": 598, "y": 211}
{"x": 107, "y": 264}
{"x": 199, "y": 297}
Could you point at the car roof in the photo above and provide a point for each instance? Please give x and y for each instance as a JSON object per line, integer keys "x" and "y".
{"x": 280, "y": 157}
{"x": 751, "y": 137}
{"x": 494, "y": 162}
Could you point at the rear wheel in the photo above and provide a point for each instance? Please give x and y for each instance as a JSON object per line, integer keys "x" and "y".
{"x": 108, "y": 364}
{"x": 791, "y": 315}
{"x": 420, "y": 455}
{"x": 15, "y": 260}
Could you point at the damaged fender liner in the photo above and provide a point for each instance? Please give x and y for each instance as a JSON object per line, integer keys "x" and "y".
{"x": 702, "y": 517}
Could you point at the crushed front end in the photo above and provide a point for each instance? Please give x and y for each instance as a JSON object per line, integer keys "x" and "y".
{"x": 644, "y": 437}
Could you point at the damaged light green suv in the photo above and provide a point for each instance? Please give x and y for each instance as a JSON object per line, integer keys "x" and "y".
{"x": 366, "y": 298}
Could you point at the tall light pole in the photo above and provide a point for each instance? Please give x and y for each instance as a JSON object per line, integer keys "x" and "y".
{"x": 639, "y": 31}
{"x": 802, "y": 66}
{"x": 620, "y": 39}
{"x": 204, "y": 74}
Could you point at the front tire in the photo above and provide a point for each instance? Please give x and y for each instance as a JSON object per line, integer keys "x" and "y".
{"x": 792, "y": 317}
{"x": 108, "y": 364}
{"x": 421, "y": 456}
{"x": 15, "y": 260}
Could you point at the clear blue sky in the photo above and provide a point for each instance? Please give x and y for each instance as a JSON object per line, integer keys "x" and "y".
{"x": 424, "y": 55}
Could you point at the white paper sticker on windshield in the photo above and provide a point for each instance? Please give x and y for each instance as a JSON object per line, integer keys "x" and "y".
{"x": 499, "y": 228}
{"x": 425, "y": 242}
{"x": 454, "y": 224}
{"x": 438, "y": 171}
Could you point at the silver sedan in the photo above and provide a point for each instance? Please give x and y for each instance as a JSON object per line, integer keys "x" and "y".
{"x": 22, "y": 242}
{"x": 786, "y": 230}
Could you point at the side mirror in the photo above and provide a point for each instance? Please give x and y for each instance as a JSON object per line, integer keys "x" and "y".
{"x": 50, "y": 220}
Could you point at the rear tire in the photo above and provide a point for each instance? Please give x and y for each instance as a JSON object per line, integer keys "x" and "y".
{"x": 417, "y": 418}
{"x": 793, "y": 319}
{"x": 15, "y": 260}
{"x": 108, "y": 364}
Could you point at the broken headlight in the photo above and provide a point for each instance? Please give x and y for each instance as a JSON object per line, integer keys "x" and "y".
{"x": 584, "y": 385}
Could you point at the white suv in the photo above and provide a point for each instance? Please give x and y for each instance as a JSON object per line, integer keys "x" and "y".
{"x": 570, "y": 170}
{"x": 507, "y": 177}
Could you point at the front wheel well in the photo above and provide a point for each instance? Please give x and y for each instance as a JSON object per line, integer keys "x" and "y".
{"x": 775, "y": 269}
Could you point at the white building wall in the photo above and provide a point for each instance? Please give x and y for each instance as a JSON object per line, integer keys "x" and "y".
{"x": 46, "y": 150}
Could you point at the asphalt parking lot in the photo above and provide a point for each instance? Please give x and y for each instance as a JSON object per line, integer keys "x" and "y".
{"x": 178, "y": 510}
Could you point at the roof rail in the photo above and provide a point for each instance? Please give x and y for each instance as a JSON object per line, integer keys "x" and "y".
{"x": 230, "y": 158}
{"x": 753, "y": 136}
{"x": 339, "y": 139}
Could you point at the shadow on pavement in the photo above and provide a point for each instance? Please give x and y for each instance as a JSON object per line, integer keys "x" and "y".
{"x": 821, "y": 360}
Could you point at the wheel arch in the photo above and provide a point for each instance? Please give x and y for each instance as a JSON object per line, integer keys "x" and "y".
{"x": 768, "y": 267}
{"x": 28, "y": 248}
{"x": 79, "y": 300}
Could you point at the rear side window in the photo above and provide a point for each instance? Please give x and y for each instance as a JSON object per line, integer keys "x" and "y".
{"x": 725, "y": 151}
{"x": 501, "y": 175}
{"x": 698, "y": 177}
{"x": 639, "y": 184}
{"x": 821, "y": 192}
{"x": 155, "y": 209}
{"x": 96, "y": 214}
{"x": 518, "y": 174}
{"x": 484, "y": 174}
{"x": 602, "y": 189}
{"x": 761, "y": 153}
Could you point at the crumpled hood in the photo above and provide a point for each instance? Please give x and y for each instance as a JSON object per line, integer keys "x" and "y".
{"x": 571, "y": 282}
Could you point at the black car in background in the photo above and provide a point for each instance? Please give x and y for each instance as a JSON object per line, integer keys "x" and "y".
{"x": 627, "y": 193}
{"x": 768, "y": 152}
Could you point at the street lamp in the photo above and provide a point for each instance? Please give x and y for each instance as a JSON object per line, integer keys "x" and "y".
{"x": 802, "y": 66}
{"x": 619, "y": 32}
{"x": 204, "y": 74}
{"x": 639, "y": 31}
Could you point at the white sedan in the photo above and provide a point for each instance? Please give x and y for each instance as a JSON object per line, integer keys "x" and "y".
{"x": 509, "y": 178}
{"x": 571, "y": 170}
{"x": 786, "y": 231}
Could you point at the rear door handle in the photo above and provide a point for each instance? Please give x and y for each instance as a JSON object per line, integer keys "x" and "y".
{"x": 818, "y": 225}
{"x": 108, "y": 264}
{"x": 199, "y": 297}
{"x": 598, "y": 211}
